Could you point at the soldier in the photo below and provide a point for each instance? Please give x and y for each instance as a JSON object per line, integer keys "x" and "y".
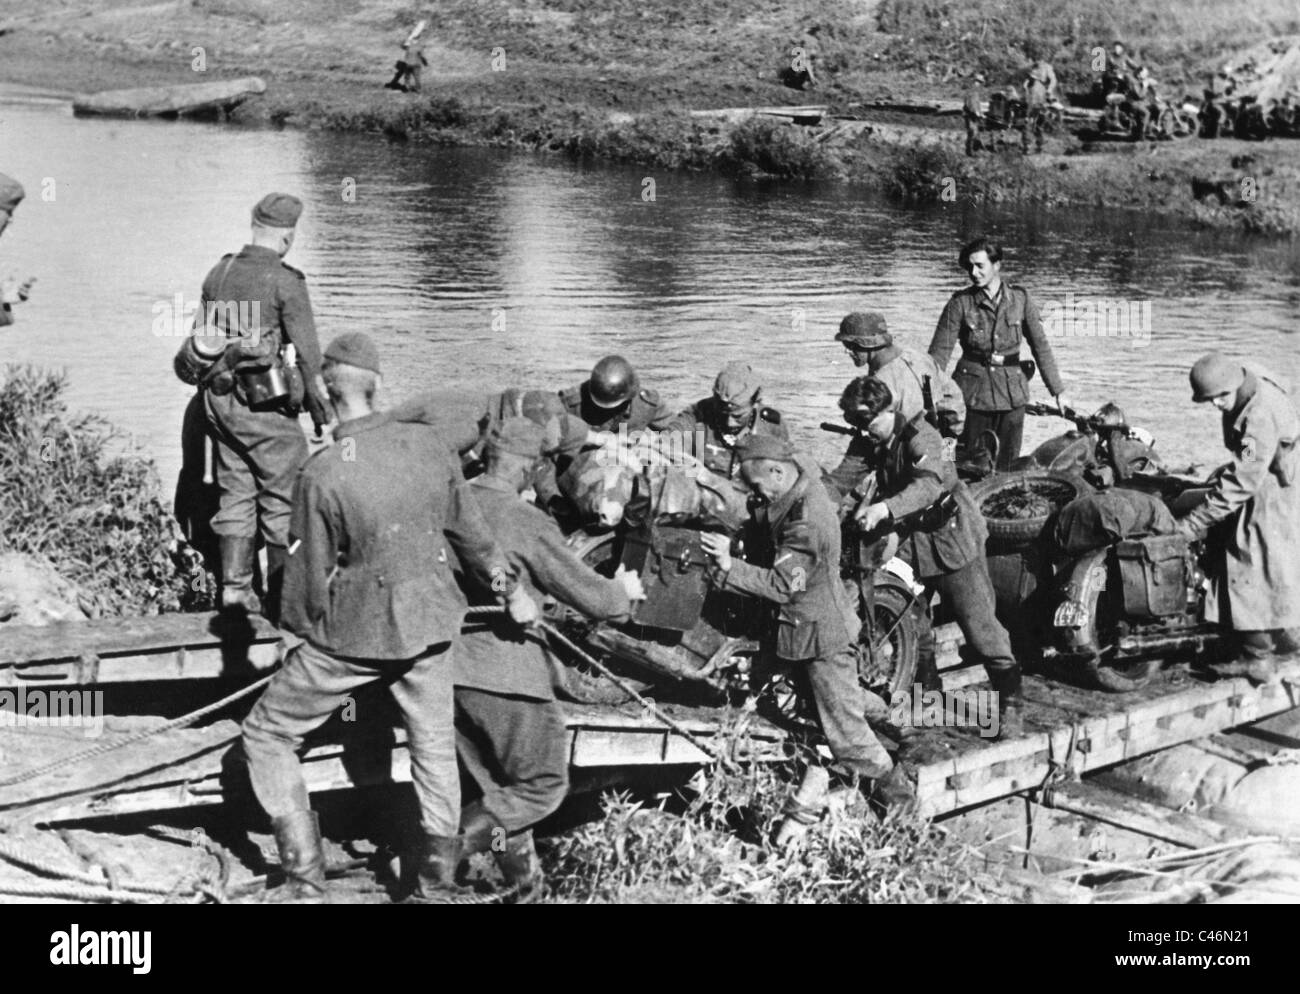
{"x": 259, "y": 303}
{"x": 972, "y": 112}
{"x": 613, "y": 399}
{"x": 715, "y": 428}
{"x": 370, "y": 595}
{"x": 1256, "y": 591}
{"x": 946, "y": 548}
{"x": 918, "y": 383}
{"x": 991, "y": 320}
{"x": 11, "y": 291}
{"x": 410, "y": 65}
{"x": 815, "y": 626}
{"x": 510, "y": 730}
{"x": 1119, "y": 65}
{"x": 1040, "y": 90}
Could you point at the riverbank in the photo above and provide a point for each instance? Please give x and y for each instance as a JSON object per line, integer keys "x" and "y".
{"x": 612, "y": 81}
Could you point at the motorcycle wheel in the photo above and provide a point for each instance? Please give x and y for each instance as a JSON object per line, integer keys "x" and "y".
{"x": 890, "y": 646}
{"x": 1040, "y": 494}
{"x": 1053, "y": 120}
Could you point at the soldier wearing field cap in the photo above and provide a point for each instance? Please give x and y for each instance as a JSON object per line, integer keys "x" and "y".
{"x": 252, "y": 396}
{"x": 11, "y": 291}
{"x": 714, "y": 429}
{"x": 815, "y": 625}
{"x": 510, "y": 731}
{"x": 370, "y": 596}
{"x": 1256, "y": 589}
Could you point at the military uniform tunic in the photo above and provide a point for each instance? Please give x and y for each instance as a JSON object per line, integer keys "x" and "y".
{"x": 510, "y": 729}
{"x": 797, "y": 554}
{"x": 701, "y": 431}
{"x": 644, "y": 410}
{"x": 258, "y": 452}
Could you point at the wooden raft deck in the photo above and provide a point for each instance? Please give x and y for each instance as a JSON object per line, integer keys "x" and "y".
{"x": 1069, "y": 731}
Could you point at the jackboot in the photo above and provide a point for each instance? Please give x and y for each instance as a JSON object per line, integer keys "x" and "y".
{"x": 297, "y": 837}
{"x": 237, "y": 554}
{"x": 1011, "y": 703}
{"x": 803, "y": 808}
{"x": 436, "y": 874}
{"x": 521, "y": 868}
{"x": 894, "y": 791}
{"x": 275, "y": 559}
{"x": 480, "y": 831}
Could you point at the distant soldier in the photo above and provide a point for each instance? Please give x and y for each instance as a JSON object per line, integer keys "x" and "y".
{"x": 11, "y": 291}
{"x": 1040, "y": 90}
{"x": 411, "y": 64}
{"x": 1216, "y": 111}
{"x": 1256, "y": 589}
{"x": 991, "y": 320}
{"x": 370, "y": 596}
{"x": 260, "y": 304}
{"x": 511, "y": 733}
{"x": 814, "y": 624}
{"x": 714, "y": 429}
{"x": 613, "y": 398}
{"x": 947, "y": 552}
{"x": 972, "y": 112}
{"x": 1119, "y": 65}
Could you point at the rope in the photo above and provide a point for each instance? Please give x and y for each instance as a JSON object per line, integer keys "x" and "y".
{"x": 148, "y": 733}
{"x": 74, "y": 892}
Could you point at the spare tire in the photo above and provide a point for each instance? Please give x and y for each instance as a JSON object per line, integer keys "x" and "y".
{"x": 1016, "y": 506}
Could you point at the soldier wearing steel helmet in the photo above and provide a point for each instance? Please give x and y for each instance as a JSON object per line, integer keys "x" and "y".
{"x": 612, "y": 398}
{"x": 1256, "y": 590}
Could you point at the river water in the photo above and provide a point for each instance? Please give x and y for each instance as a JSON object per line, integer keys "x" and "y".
{"x": 480, "y": 269}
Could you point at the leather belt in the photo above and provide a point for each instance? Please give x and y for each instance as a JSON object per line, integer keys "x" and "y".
{"x": 992, "y": 360}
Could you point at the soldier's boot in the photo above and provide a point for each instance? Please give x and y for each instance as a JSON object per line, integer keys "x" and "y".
{"x": 480, "y": 831}
{"x": 1011, "y": 703}
{"x": 237, "y": 557}
{"x": 803, "y": 808}
{"x": 894, "y": 791}
{"x": 275, "y": 560}
{"x": 435, "y": 881}
{"x": 521, "y": 868}
{"x": 297, "y": 837}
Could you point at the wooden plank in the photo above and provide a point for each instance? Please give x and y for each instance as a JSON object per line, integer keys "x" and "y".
{"x": 601, "y": 739}
{"x": 70, "y": 640}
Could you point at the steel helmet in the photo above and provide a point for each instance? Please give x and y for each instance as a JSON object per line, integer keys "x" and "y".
{"x": 1213, "y": 374}
{"x": 613, "y": 382}
{"x": 1110, "y": 416}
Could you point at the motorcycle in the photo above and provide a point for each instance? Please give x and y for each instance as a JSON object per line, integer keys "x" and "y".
{"x": 691, "y": 643}
{"x": 1106, "y": 612}
{"x": 1165, "y": 122}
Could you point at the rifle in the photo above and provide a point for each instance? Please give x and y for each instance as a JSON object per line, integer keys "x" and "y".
{"x": 838, "y": 429}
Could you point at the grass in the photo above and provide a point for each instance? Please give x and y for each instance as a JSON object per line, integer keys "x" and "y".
{"x": 94, "y": 515}
{"x": 714, "y": 851}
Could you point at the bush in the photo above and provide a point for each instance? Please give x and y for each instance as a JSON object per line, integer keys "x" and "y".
{"x": 97, "y": 517}
{"x": 714, "y": 853}
{"x": 763, "y": 146}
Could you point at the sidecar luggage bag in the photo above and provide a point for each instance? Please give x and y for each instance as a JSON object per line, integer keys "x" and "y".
{"x": 1153, "y": 574}
{"x": 1096, "y": 520}
{"x": 671, "y": 562}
